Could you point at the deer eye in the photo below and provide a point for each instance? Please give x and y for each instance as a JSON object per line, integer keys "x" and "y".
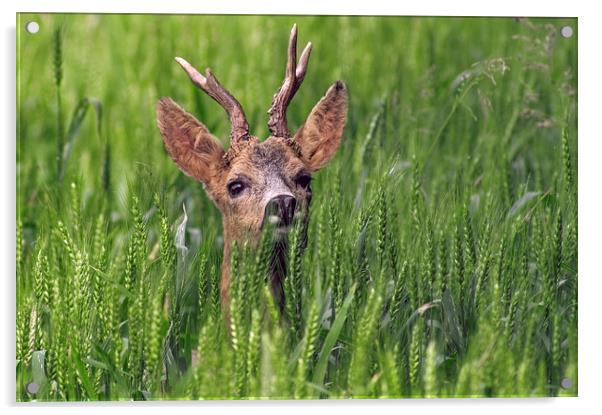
{"x": 235, "y": 188}
{"x": 303, "y": 181}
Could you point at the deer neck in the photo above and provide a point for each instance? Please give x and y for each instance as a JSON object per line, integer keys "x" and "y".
{"x": 276, "y": 271}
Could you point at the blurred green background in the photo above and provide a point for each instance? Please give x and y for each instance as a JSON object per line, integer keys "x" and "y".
{"x": 126, "y": 61}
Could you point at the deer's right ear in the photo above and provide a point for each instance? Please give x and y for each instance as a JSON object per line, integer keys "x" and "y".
{"x": 191, "y": 146}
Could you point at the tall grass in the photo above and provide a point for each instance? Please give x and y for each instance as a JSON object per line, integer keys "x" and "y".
{"x": 441, "y": 251}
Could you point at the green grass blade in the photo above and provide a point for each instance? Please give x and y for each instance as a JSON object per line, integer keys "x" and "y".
{"x": 331, "y": 338}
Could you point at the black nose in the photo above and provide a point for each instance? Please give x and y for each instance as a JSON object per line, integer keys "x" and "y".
{"x": 282, "y": 206}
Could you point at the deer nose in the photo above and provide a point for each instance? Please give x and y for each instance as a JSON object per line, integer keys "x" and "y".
{"x": 283, "y": 206}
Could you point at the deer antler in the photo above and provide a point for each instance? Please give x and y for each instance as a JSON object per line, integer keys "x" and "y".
{"x": 211, "y": 86}
{"x": 293, "y": 77}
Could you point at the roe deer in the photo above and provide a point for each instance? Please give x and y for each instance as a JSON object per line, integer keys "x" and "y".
{"x": 254, "y": 181}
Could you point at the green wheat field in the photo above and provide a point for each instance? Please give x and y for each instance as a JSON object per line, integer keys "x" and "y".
{"x": 442, "y": 243}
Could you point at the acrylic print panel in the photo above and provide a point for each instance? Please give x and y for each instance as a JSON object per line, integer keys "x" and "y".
{"x": 168, "y": 249}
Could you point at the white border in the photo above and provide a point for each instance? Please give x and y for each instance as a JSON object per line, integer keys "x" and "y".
{"x": 589, "y": 207}
{"x": 336, "y": 7}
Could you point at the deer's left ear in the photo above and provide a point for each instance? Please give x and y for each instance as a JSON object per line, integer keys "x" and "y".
{"x": 319, "y": 137}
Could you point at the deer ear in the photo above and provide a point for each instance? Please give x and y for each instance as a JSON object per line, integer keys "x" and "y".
{"x": 320, "y": 135}
{"x": 191, "y": 146}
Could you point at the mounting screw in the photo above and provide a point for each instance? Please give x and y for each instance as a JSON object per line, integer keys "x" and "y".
{"x": 33, "y": 388}
{"x": 32, "y": 27}
{"x": 566, "y": 383}
{"x": 566, "y": 31}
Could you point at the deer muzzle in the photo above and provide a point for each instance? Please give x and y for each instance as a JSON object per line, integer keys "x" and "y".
{"x": 280, "y": 211}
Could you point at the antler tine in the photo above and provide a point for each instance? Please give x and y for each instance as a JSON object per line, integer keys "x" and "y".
{"x": 212, "y": 87}
{"x": 292, "y": 80}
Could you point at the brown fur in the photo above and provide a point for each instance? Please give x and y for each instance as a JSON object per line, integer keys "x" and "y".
{"x": 267, "y": 167}
{"x": 320, "y": 136}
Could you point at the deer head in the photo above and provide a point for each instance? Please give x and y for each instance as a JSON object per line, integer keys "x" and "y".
{"x": 254, "y": 182}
